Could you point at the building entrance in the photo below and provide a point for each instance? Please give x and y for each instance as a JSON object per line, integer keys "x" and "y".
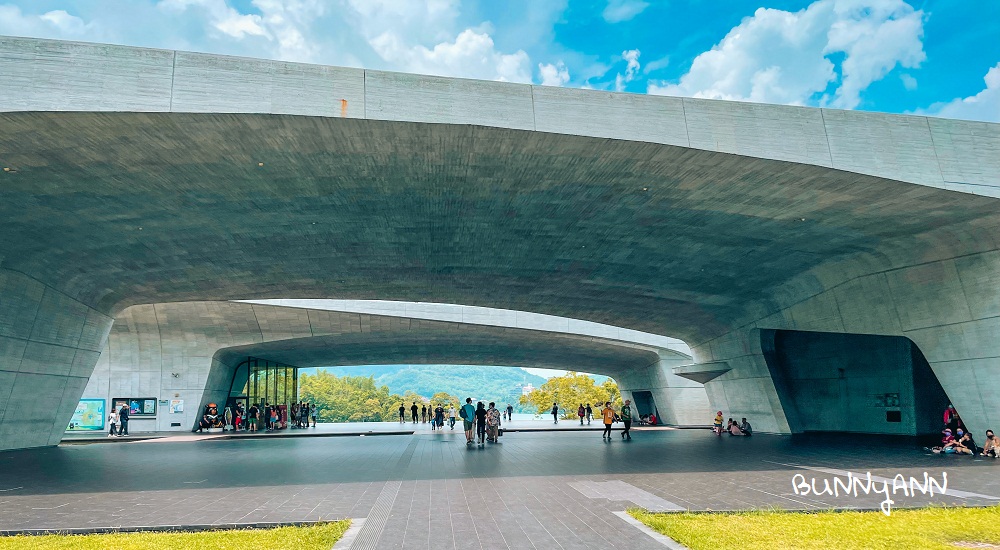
{"x": 265, "y": 383}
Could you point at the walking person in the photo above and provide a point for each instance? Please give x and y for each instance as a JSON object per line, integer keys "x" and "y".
{"x": 481, "y": 423}
{"x": 468, "y": 414}
{"x": 413, "y": 412}
{"x": 590, "y": 414}
{"x": 626, "y": 416}
{"x": 581, "y": 412}
{"x": 609, "y": 418}
{"x": 451, "y": 416}
{"x": 123, "y": 420}
{"x": 510, "y": 412}
{"x": 314, "y": 411}
{"x": 439, "y": 417}
{"x": 423, "y": 414}
{"x": 492, "y": 423}
{"x": 112, "y": 421}
{"x": 402, "y": 413}
{"x": 555, "y": 413}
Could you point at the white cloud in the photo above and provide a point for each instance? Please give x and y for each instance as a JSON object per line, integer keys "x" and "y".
{"x": 553, "y": 75}
{"x": 656, "y": 64}
{"x": 53, "y": 24}
{"x": 472, "y": 55}
{"x": 984, "y": 106}
{"x": 909, "y": 82}
{"x": 777, "y": 56}
{"x": 631, "y": 69}
{"x": 221, "y": 16}
{"x": 623, "y": 10}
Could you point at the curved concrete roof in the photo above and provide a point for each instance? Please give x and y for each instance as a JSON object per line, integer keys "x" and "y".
{"x": 472, "y": 315}
{"x": 670, "y": 216}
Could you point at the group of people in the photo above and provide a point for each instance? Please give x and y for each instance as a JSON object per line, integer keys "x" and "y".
{"x": 482, "y": 423}
{"x": 438, "y": 415}
{"x": 732, "y": 427}
{"x": 610, "y": 417}
{"x": 118, "y": 421}
{"x": 271, "y": 417}
{"x": 956, "y": 438}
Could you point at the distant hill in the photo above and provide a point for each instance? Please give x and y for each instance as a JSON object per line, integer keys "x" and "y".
{"x": 500, "y": 384}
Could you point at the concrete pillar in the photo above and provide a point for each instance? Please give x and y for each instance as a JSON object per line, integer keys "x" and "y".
{"x": 49, "y": 345}
{"x": 681, "y": 402}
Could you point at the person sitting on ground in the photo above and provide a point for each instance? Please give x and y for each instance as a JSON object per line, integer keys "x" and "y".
{"x": 947, "y": 443}
{"x": 991, "y": 447}
{"x": 745, "y": 427}
{"x": 965, "y": 444}
{"x": 734, "y": 429}
{"x": 716, "y": 426}
{"x": 652, "y": 419}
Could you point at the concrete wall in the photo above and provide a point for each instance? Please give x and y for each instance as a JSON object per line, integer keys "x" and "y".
{"x": 949, "y": 308}
{"x": 849, "y": 382}
{"x": 48, "y": 346}
{"x": 46, "y": 75}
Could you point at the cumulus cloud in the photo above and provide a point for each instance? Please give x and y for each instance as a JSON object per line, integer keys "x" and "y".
{"x": 52, "y": 24}
{"x": 631, "y": 57}
{"x": 472, "y": 55}
{"x": 984, "y": 106}
{"x": 623, "y": 10}
{"x": 777, "y": 56}
{"x": 553, "y": 75}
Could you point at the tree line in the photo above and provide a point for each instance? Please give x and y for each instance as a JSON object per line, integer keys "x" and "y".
{"x": 360, "y": 399}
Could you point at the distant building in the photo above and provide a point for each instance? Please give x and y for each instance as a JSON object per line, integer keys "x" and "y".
{"x": 526, "y": 389}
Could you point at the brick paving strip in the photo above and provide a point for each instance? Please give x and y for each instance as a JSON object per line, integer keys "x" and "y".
{"x": 530, "y": 490}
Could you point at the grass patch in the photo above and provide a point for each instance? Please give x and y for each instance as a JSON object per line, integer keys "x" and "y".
{"x": 930, "y": 528}
{"x": 319, "y": 537}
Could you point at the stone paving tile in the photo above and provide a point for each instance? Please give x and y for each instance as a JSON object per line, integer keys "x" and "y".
{"x": 515, "y": 494}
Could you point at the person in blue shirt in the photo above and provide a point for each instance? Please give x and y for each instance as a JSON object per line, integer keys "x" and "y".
{"x": 468, "y": 414}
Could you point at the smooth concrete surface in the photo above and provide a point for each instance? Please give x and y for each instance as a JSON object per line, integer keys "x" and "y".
{"x": 191, "y": 350}
{"x": 472, "y": 315}
{"x": 947, "y": 154}
{"x": 761, "y": 217}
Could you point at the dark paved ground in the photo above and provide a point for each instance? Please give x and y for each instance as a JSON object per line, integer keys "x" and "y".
{"x": 428, "y": 490}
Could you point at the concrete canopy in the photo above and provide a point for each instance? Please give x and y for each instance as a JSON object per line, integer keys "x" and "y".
{"x": 191, "y": 350}
{"x": 703, "y": 220}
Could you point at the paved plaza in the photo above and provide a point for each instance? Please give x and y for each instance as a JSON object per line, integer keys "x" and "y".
{"x": 428, "y": 490}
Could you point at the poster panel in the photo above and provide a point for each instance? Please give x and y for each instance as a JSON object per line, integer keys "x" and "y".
{"x": 88, "y": 416}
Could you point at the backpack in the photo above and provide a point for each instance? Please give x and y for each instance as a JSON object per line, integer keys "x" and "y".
{"x": 462, "y": 413}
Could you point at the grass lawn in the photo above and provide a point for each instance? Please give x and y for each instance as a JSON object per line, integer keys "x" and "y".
{"x": 922, "y": 528}
{"x": 318, "y": 537}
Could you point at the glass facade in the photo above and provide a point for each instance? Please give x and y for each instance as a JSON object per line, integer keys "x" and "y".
{"x": 263, "y": 382}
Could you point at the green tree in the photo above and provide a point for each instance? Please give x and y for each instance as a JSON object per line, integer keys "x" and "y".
{"x": 349, "y": 398}
{"x": 445, "y": 399}
{"x": 570, "y": 391}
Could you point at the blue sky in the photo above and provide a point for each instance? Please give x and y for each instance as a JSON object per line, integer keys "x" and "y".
{"x": 937, "y": 57}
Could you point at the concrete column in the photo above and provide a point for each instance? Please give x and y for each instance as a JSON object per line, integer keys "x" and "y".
{"x": 749, "y": 389}
{"x": 680, "y": 401}
{"x": 49, "y": 344}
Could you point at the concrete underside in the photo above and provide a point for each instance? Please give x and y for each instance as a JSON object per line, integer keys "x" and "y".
{"x": 717, "y": 221}
{"x": 190, "y": 351}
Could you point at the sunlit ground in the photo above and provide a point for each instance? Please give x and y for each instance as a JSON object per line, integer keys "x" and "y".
{"x": 931, "y": 528}
{"x": 321, "y": 536}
